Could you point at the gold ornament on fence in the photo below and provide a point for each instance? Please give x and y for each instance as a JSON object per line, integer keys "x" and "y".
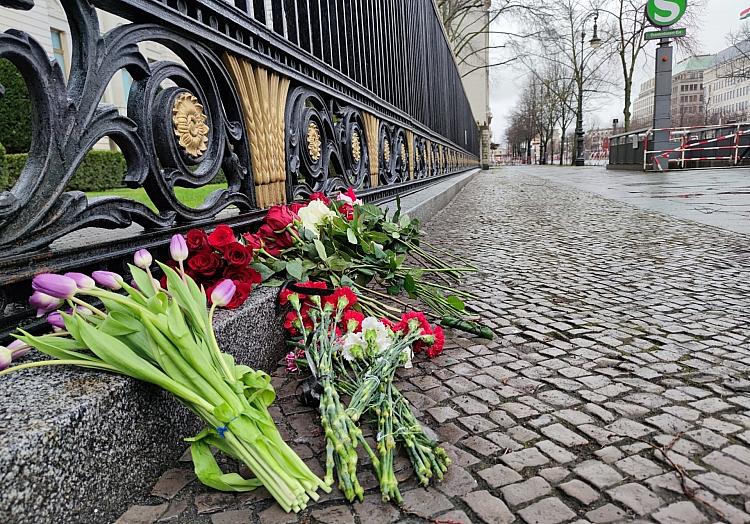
{"x": 190, "y": 124}
{"x": 386, "y": 150}
{"x": 314, "y": 145}
{"x": 403, "y": 154}
{"x": 356, "y": 146}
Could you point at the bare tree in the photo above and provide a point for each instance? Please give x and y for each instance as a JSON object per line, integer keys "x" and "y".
{"x": 469, "y": 25}
{"x": 626, "y": 29}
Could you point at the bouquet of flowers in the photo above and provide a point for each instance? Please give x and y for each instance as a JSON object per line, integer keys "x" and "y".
{"x": 357, "y": 355}
{"x": 347, "y": 243}
{"x": 163, "y": 335}
{"x": 215, "y": 257}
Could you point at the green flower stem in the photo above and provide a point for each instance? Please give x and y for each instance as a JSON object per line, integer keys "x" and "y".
{"x": 88, "y": 306}
{"x": 228, "y": 375}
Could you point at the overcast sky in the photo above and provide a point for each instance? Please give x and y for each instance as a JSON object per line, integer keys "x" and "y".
{"x": 721, "y": 17}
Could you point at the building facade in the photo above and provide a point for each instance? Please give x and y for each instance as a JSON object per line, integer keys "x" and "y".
{"x": 473, "y": 61}
{"x": 728, "y": 85}
{"x": 688, "y": 96}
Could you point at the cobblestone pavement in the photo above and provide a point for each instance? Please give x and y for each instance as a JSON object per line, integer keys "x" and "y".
{"x": 717, "y": 197}
{"x": 616, "y": 391}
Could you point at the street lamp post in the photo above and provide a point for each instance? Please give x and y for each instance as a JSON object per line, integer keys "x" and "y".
{"x": 594, "y": 43}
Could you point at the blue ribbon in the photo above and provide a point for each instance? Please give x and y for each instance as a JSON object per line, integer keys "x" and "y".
{"x": 223, "y": 429}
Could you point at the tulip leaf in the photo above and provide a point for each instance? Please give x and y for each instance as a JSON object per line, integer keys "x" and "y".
{"x": 144, "y": 282}
{"x": 456, "y": 303}
{"x": 209, "y": 473}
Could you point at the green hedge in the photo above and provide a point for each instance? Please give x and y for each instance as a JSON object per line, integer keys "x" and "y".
{"x": 15, "y": 110}
{"x": 99, "y": 171}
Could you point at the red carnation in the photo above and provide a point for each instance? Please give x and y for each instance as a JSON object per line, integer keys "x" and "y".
{"x": 437, "y": 347}
{"x": 403, "y": 325}
{"x": 320, "y": 196}
{"x": 237, "y": 255}
{"x": 347, "y": 210}
{"x": 245, "y": 275}
{"x": 196, "y": 240}
{"x": 221, "y": 236}
{"x": 279, "y": 217}
{"x": 342, "y": 292}
{"x": 352, "y": 321}
{"x": 205, "y": 263}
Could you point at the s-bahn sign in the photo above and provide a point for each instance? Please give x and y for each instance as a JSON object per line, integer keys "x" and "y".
{"x": 662, "y": 13}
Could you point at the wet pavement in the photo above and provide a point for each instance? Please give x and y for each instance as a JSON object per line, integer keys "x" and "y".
{"x": 718, "y": 197}
{"x": 616, "y": 391}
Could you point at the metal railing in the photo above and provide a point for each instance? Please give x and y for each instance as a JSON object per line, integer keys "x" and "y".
{"x": 696, "y": 147}
{"x": 281, "y": 97}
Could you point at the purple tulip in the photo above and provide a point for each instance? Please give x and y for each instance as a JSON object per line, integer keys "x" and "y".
{"x": 178, "y": 248}
{"x": 57, "y": 286}
{"x": 108, "y": 279}
{"x": 223, "y": 293}
{"x": 43, "y": 303}
{"x": 56, "y": 320}
{"x": 6, "y": 357}
{"x": 82, "y": 281}
{"x": 143, "y": 259}
{"x": 18, "y": 348}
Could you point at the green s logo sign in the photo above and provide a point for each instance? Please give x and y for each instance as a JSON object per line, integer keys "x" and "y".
{"x": 665, "y": 12}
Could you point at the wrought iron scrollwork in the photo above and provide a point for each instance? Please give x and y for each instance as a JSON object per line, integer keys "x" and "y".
{"x": 326, "y": 145}
{"x": 420, "y": 157}
{"x": 394, "y": 155}
{"x": 68, "y": 120}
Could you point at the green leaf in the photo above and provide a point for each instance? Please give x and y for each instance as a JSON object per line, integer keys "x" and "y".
{"x": 274, "y": 282}
{"x": 410, "y": 285}
{"x": 351, "y": 236}
{"x": 295, "y": 269}
{"x": 338, "y": 264}
{"x": 455, "y": 302}
{"x": 321, "y": 249}
{"x": 142, "y": 279}
{"x": 265, "y": 271}
{"x": 208, "y": 471}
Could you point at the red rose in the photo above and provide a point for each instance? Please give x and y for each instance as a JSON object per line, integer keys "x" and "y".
{"x": 320, "y": 196}
{"x": 253, "y": 241}
{"x": 237, "y": 255}
{"x": 241, "y": 293}
{"x": 274, "y": 242}
{"x": 296, "y": 206}
{"x": 279, "y": 217}
{"x": 221, "y": 236}
{"x": 196, "y": 239}
{"x": 245, "y": 275}
{"x": 205, "y": 263}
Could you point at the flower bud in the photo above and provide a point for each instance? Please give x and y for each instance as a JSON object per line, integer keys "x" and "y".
{"x": 82, "y": 281}
{"x": 57, "y": 286}
{"x": 178, "y": 248}
{"x": 43, "y": 303}
{"x": 223, "y": 293}
{"x": 108, "y": 279}
{"x": 56, "y": 320}
{"x": 143, "y": 258}
{"x": 6, "y": 357}
{"x": 18, "y": 348}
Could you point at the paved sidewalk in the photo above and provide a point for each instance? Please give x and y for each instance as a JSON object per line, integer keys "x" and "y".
{"x": 617, "y": 391}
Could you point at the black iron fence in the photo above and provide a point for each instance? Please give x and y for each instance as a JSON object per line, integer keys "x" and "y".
{"x": 282, "y": 98}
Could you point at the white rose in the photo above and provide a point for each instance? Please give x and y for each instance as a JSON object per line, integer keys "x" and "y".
{"x": 314, "y": 214}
